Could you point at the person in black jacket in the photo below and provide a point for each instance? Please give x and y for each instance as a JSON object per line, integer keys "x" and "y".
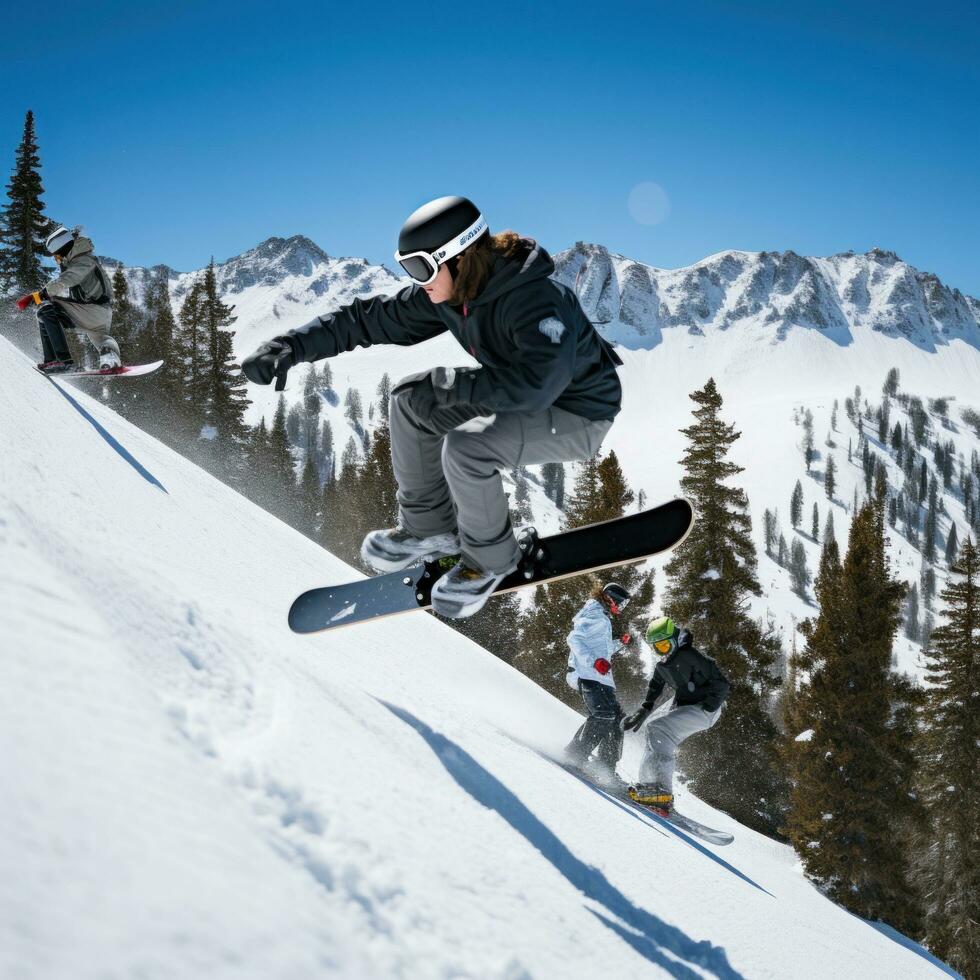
{"x": 700, "y": 690}
{"x": 546, "y": 390}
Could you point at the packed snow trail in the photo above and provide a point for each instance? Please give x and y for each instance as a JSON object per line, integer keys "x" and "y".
{"x": 189, "y": 789}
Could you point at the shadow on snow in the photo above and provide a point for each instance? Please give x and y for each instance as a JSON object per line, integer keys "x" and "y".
{"x": 657, "y": 941}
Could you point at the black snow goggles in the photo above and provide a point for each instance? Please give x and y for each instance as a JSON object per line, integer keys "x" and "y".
{"x": 423, "y": 267}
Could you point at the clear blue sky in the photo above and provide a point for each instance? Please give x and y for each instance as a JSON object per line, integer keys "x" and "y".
{"x": 181, "y": 130}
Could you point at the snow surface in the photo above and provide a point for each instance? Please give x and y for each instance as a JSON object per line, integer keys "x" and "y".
{"x": 191, "y": 790}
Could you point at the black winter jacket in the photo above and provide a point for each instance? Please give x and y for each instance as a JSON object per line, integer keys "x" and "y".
{"x": 531, "y": 336}
{"x": 694, "y": 677}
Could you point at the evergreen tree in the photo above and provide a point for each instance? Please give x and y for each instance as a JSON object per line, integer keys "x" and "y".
{"x": 521, "y": 503}
{"x": 310, "y": 498}
{"x": 553, "y": 479}
{"x": 830, "y": 478}
{"x": 770, "y": 527}
{"x": 833, "y": 417}
{"x": 851, "y": 815}
{"x": 326, "y": 447}
{"x": 950, "y": 877}
{"x": 799, "y": 573}
{"x": 911, "y": 618}
{"x": 782, "y": 551}
{"x": 165, "y": 399}
{"x": 711, "y": 576}
{"x": 384, "y": 395}
{"x": 326, "y": 376}
{"x": 815, "y": 523}
{"x": 294, "y": 425}
{"x": 23, "y": 226}
{"x": 796, "y": 505}
{"x": 312, "y": 405}
{"x": 828, "y": 530}
{"x": 281, "y": 468}
{"x": 808, "y": 450}
{"x": 353, "y": 408}
{"x": 952, "y": 546}
{"x": 191, "y": 344}
{"x": 932, "y": 524}
{"x": 890, "y": 387}
{"x": 127, "y": 321}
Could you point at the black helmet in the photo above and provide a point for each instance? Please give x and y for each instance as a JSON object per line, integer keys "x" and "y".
{"x": 617, "y": 594}
{"x": 437, "y": 232}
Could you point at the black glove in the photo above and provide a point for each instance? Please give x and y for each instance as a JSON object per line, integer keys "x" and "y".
{"x": 272, "y": 360}
{"x": 634, "y": 722}
{"x": 709, "y": 706}
{"x": 427, "y": 392}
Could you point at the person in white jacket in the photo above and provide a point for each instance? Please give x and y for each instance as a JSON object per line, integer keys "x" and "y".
{"x": 591, "y": 650}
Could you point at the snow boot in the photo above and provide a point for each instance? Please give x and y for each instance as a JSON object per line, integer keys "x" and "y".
{"x": 464, "y": 590}
{"x": 109, "y": 358}
{"x": 649, "y": 794}
{"x": 392, "y": 549}
{"x": 56, "y": 367}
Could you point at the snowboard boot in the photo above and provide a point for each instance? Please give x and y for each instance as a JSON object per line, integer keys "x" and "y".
{"x": 392, "y": 549}
{"x": 109, "y": 359}
{"x": 56, "y": 367}
{"x": 607, "y": 778}
{"x": 464, "y": 590}
{"x": 649, "y": 794}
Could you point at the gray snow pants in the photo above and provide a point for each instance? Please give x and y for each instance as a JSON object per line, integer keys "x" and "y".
{"x": 665, "y": 734}
{"x": 448, "y": 470}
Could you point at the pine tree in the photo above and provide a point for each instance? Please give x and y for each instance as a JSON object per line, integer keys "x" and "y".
{"x": 808, "y": 450}
{"x": 950, "y": 876}
{"x": 952, "y": 546}
{"x": 711, "y": 576}
{"x": 851, "y": 816}
{"x": 890, "y": 387}
{"x": 770, "y": 528}
{"x": 796, "y": 505}
{"x": 281, "y": 468}
{"x": 521, "y": 503}
{"x": 830, "y": 478}
{"x": 553, "y": 480}
{"x": 23, "y": 226}
{"x": 353, "y": 408}
{"x": 911, "y": 618}
{"x": 384, "y": 395}
{"x": 312, "y": 404}
{"x": 127, "y": 324}
{"x": 782, "y": 551}
{"x": 191, "y": 345}
{"x": 833, "y": 417}
{"x": 932, "y": 523}
{"x": 828, "y": 530}
{"x": 799, "y": 573}
{"x": 815, "y": 523}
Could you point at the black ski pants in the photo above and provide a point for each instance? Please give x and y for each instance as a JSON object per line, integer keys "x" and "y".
{"x": 601, "y": 729}
{"x": 53, "y": 321}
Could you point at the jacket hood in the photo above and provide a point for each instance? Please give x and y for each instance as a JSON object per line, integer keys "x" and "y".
{"x": 508, "y": 274}
{"x": 82, "y": 246}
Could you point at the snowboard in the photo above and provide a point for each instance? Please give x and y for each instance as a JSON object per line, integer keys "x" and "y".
{"x": 708, "y": 834}
{"x": 620, "y": 791}
{"x": 125, "y": 371}
{"x": 592, "y": 548}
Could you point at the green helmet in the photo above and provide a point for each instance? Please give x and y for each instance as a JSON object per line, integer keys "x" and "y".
{"x": 660, "y": 630}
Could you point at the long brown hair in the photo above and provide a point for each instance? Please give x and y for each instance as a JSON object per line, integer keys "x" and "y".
{"x": 475, "y": 264}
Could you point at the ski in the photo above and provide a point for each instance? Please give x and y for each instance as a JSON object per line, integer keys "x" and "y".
{"x": 125, "y": 371}
{"x": 621, "y": 541}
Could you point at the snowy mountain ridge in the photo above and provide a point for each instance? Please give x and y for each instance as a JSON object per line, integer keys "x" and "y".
{"x": 777, "y": 290}
{"x": 284, "y": 281}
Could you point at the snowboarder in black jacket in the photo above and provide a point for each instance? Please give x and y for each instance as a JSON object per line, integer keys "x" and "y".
{"x": 700, "y": 690}
{"x": 546, "y": 390}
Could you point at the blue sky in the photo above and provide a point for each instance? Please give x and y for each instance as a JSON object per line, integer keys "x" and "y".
{"x": 181, "y": 130}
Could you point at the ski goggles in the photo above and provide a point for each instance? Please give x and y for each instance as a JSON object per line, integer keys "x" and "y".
{"x": 663, "y": 646}
{"x": 423, "y": 267}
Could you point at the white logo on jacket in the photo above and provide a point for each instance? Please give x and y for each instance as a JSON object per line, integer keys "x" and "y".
{"x": 553, "y": 329}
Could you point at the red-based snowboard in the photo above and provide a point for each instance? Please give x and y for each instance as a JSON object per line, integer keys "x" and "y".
{"x": 125, "y": 371}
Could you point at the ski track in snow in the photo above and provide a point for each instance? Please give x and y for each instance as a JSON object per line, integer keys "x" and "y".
{"x": 189, "y": 789}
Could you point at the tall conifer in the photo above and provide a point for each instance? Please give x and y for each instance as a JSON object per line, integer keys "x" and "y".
{"x": 710, "y": 579}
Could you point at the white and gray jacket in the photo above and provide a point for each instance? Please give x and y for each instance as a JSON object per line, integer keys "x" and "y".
{"x": 590, "y": 640}
{"x": 82, "y": 288}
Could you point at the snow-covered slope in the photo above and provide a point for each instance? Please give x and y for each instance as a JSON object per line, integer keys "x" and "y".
{"x": 190, "y": 790}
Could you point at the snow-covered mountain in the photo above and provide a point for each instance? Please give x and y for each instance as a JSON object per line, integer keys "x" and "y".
{"x": 191, "y": 790}
{"x": 780, "y": 291}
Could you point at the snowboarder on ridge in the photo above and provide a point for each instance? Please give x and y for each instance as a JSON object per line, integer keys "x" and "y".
{"x": 546, "y": 390}
{"x": 78, "y": 298}
{"x": 591, "y": 650}
{"x": 700, "y": 690}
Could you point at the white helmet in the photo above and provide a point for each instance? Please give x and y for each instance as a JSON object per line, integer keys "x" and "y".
{"x": 58, "y": 240}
